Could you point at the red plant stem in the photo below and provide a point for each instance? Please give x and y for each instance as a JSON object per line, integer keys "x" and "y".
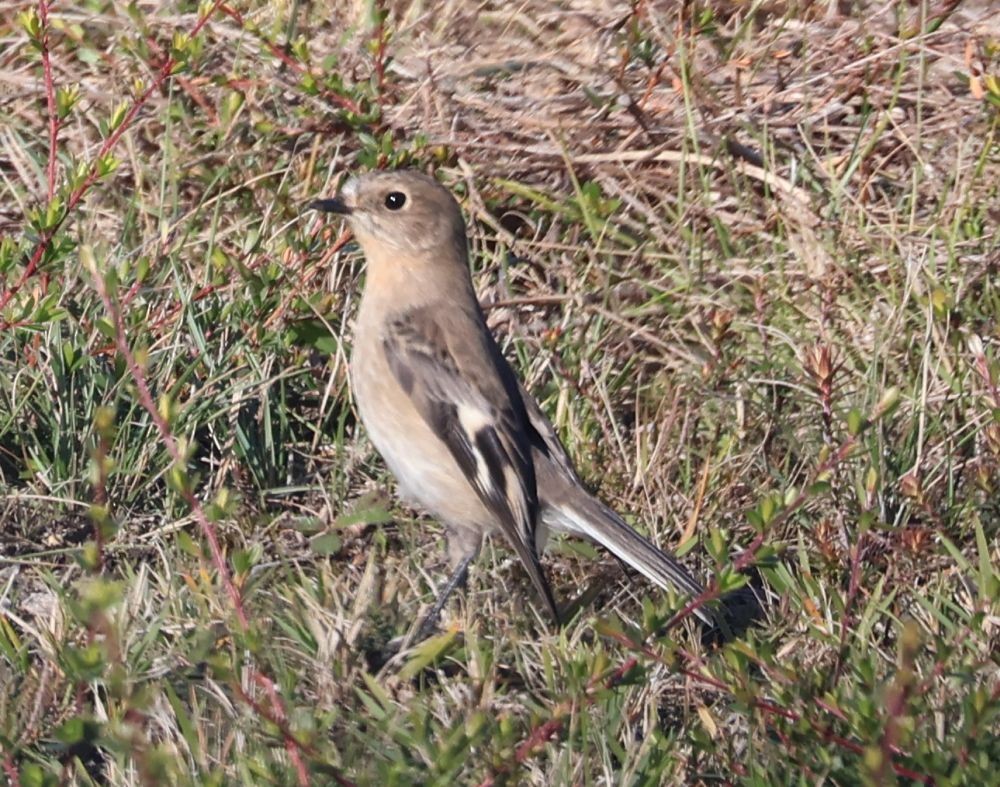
{"x": 342, "y": 101}
{"x": 544, "y": 731}
{"x": 547, "y": 729}
{"x": 379, "y": 35}
{"x": 541, "y": 734}
{"x": 713, "y": 591}
{"x": 50, "y": 96}
{"x": 984, "y": 372}
{"x": 162, "y": 74}
{"x": 773, "y": 709}
{"x": 846, "y": 622}
{"x": 278, "y": 717}
{"x": 145, "y": 395}
{"x": 170, "y": 442}
{"x": 9, "y": 768}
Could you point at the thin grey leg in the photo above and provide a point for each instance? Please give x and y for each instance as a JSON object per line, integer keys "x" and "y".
{"x": 457, "y": 579}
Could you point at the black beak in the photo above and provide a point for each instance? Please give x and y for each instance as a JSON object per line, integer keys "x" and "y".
{"x": 335, "y": 205}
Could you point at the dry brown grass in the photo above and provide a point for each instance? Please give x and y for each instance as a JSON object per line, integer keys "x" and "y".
{"x": 713, "y": 237}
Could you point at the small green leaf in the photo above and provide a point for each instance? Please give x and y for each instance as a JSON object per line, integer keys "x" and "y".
{"x": 315, "y": 334}
{"x": 855, "y": 422}
{"x": 105, "y": 327}
{"x": 245, "y": 559}
{"x": 67, "y": 97}
{"x": 326, "y": 544}
{"x": 768, "y": 507}
{"x": 818, "y": 488}
{"x": 118, "y": 115}
{"x": 887, "y": 404}
{"x": 188, "y": 544}
{"x": 428, "y": 652}
{"x": 31, "y": 23}
{"x": 106, "y": 165}
{"x": 79, "y": 731}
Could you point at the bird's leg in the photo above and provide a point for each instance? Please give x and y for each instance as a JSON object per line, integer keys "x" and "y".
{"x": 379, "y": 659}
{"x": 457, "y": 579}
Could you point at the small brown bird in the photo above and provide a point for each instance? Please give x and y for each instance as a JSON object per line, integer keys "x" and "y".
{"x": 463, "y": 438}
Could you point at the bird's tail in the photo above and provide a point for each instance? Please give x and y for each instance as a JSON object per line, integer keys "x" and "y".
{"x": 590, "y": 518}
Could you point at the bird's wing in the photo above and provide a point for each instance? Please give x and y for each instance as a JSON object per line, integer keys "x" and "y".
{"x": 546, "y": 441}
{"x": 448, "y": 364}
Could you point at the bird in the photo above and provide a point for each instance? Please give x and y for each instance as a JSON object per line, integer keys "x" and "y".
{"x": 464, "y": 439}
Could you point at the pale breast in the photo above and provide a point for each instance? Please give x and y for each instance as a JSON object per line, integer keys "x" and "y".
{"x": 427, "y": 474}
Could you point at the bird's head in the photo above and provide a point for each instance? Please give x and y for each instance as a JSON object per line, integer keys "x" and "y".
{"x": 403, "y": 212}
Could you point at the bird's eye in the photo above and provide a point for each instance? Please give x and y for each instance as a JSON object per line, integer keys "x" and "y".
{"x": 394, "y": 200}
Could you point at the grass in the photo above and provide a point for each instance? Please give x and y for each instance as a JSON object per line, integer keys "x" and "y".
{"x": 744, "y": 254}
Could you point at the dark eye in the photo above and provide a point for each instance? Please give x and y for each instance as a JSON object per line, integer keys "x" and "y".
{"x": 394, "y": 200}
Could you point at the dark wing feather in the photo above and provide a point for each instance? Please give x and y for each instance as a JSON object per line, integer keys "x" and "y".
{"x": 469, "y": 397}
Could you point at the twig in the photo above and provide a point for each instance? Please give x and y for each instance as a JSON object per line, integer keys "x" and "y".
{"x": 775, "y": 182}
{"x": 342, "y": 101}
{"x": 50, "y": 96}
{"x": 546, "y": 729}
{"x": 93, "y": 172}
{"x": 197, "y": 511}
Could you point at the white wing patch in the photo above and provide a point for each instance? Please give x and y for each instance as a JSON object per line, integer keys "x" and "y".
{"x": 473, "y": 419}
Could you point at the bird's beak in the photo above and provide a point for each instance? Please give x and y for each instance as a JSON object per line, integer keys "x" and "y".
{"x": 335, "y": 205}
